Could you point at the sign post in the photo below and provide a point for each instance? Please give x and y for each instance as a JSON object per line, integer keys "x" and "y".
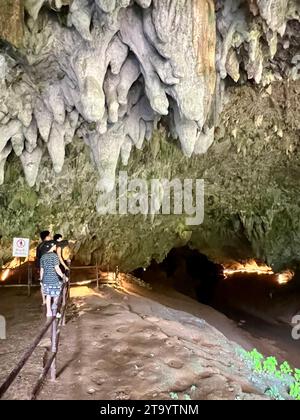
{"x": 21, "y": 247}
{"x": 21, "y": 250}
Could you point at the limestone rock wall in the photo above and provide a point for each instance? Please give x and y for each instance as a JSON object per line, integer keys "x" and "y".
{"x": 12, "y": 21}
{"x": 92, "y": 82}
{"x": 111, "y": 71}
{"x": 252, "y": 37}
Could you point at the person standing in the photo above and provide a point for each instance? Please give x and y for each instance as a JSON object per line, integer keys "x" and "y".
{"x": 45, "y": 236}
{"x": 61, "y": 245}
{"x": 50, "y": 276}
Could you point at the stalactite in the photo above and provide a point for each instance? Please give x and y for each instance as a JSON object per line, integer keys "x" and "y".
{"x": 114, "y": 68}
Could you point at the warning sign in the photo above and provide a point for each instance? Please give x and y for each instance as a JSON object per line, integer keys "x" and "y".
{"x": 21, "y": 247}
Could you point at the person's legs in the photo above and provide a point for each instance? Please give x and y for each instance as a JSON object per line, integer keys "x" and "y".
{"x": 43, "y": 295}
{"x": 54, "y": 305}
{"x": 48, "y": 303}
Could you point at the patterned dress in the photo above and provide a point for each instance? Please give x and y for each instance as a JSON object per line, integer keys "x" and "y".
{"x": 51, "y": 281}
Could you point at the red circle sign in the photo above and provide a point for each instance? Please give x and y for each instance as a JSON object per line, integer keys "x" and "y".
{"x": 21, "y": 243}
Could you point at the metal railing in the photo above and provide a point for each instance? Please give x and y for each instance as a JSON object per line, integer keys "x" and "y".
{"x": 13, "y": 277}
{"x": 30, "y": 272}
{"x": 56, "y": 322}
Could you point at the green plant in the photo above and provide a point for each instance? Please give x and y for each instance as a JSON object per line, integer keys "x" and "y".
{"x": 174, "y": 395}
{"x": 289, "y": 377}
{"x": 256, "y": 358}
{"x": 295, "y": 391}
{"x": 274, "y": 393}
{"x": 278, "y": 374}
{"x": 285, "y": 368}
{"x": 186, "y": 397}
{"x": 297, "y": 375}
{"x": 270, "y": 365}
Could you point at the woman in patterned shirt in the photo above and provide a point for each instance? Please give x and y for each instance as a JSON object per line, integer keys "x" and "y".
{"x": 50, "y": 275}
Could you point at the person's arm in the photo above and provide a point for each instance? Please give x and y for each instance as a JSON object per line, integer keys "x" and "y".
{"x": 37, "y": 256}
{"x": 61, "y": 260}
{"x": 41, "y": 273}
{"x": 58, "y": 271}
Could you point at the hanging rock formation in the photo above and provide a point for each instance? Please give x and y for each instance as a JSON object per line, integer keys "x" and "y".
{"x": 116, "y": 67}
{"x": 111, "y": 74}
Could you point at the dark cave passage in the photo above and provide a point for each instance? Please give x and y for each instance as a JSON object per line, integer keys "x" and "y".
{"x": 201, "y": 276}
{"x": 258, "y": 303}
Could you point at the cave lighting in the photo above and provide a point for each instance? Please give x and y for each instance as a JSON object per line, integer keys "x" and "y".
{"x": 285, "y": 277}
{"x": 16, "y": 263}
{"x": 250, "y": 267}
{"x": 5, "y": 274}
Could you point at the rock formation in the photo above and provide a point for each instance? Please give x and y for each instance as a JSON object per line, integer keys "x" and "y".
{"x": 117, "y": 67}
{"x": 111, "y": 73}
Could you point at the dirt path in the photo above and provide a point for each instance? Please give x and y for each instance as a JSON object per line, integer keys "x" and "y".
{"x": 134, "y": 343}
{"x": 24, "y": 318}
{"x": 124, "y": 346}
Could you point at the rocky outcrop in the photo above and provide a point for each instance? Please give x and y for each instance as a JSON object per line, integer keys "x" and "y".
{"x": 117, "y": 67}
{"x": 115, "y": 71}
{"x": 253, "y": 35}
{"x": 251, "y": 191}
{"x": 101, "y": 85}
{"x": 12, "y": 21}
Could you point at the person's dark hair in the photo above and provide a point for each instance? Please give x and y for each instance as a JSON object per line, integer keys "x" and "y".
{"x": 44, "y": 234}
{"x": 57, "y": 237}
{"x": 46, "y": 246}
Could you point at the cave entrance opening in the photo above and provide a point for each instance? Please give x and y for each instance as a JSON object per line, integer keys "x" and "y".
{"x": 260, "y": 303}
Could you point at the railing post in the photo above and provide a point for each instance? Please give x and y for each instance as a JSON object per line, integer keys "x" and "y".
{"x": 54, "y": 350}
{"x": 29, "y": 279}
{"x": 117, "y": 274}
{"x": 55, "y": 323}
{"x": 55, "y": 310}
{"x": 97, "y": 274}
{"x": 19, "y": 273}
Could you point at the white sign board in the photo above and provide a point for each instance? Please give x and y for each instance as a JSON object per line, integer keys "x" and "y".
{"x": 21, "y": 247}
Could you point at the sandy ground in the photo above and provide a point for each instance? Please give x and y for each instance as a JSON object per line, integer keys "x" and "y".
{"x": 124, "y": 346}
{"x": 24, "y": 318}
{"x": 133, "y": 343}
{"x": 271, "y": 340}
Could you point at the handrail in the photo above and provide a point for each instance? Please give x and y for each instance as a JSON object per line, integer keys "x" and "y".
{"x": 51, "y": 362}
{"x": 14, "y": 373}
{"x": 54, "y": 321}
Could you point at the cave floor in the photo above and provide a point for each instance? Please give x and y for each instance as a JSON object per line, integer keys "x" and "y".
{"x": 135, "y": 343}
